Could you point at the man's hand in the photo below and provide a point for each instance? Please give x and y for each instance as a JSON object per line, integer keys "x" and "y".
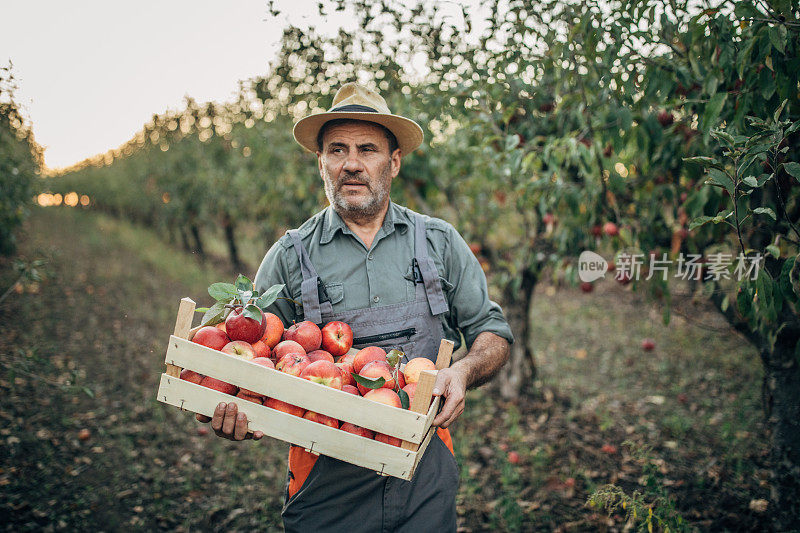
{"x": 451, "y": 384}
{"x": 227, "y": 424}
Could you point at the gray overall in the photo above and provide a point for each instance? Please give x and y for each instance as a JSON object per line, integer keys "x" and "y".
{"x": 338, "y": 496}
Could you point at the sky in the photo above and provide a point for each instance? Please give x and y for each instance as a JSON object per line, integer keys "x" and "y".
{"x": 92, "y": 73}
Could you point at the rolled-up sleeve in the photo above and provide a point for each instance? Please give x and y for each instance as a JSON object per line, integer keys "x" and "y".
{"x": 471, "y": 310}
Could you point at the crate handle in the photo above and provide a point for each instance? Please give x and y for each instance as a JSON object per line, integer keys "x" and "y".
{"x": 182, "y": 326}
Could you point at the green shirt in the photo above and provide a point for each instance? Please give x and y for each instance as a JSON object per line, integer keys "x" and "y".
{"x": 356, "y": 277}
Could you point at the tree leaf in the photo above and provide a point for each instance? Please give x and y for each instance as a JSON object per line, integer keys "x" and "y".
{"x": 405, "y": 401}
{"x": 214, "y": 315}
{"x": 243, "y": 283}
{"x": 723, "y": 136}
{"x": 269, "y": 296}
{"x": 222, "y": 291}
{"x": 376, "y": 383}
{"x": 201, "y": 309}
{"x": 252, "y": 311}
{"x": 777, "y": 40}
{"x": 774, "y": 250}
{"x": 711, "y": 114}
{"x": 751, "y": 181}
{"x": 792, "y": 169}
{"x": 394, "y": 357}
{"x": 699, "y": 221}
{"x": 765, "y": 211}
{"x": 794, "y": 276}
{"x": 718, "y": 177}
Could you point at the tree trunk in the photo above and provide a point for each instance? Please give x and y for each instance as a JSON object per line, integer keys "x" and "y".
{"x": 521, "y": 367}
{"x": 184, "y": 238}
{"x": 198, "y": 243}
{"x": 783, "y": 419}
{"x": 230, "y": 228}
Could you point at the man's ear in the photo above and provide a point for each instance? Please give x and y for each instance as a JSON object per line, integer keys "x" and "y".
{"x": 395, "y": 160}
{"x": 319, "y": 161}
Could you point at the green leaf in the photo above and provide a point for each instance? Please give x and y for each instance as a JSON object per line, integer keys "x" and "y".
{"x": 201, "y": 309}
{"x": 713, "y": 109}
{"x": 405, "y": 401}
{"x": 269, "y": 296}
{"x": 774, "y": 250}
{"x": 721, "y": 179}
{"x": 778, "y": 111}
{"x": 794, "y": 276}
{"x": 245, "y": 297}
{"x": 791, "y": 129}
{"x": 699, "y": 221}
{"x": 703, "y": 161}
{"x": 88, "y": 392}
{"x": 511, "y": 142}
{"x": 765, "y": 211}
{"x": 214, "y": 315}
{"x": 252, "y": 311}
{"x": 723, "y": 136}
{"x": 243, "y": 283}
{"x": 792, "y": 169}
{"x": 394, "y": 357}
{"x": 376, "y": 383}
{"x": 777, "y": 38}
{"x": 751, "y": 181}
{"x": 222, "y": 292}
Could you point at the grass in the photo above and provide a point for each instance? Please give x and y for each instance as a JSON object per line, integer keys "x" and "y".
{"x": 99, "y": 322}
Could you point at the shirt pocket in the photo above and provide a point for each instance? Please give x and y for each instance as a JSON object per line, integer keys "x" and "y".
{"x": 410, "y": 289}
{"x": 335, "y": 293}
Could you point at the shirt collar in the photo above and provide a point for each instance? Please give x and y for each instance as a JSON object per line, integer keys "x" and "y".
{"x": 333, "y": 223}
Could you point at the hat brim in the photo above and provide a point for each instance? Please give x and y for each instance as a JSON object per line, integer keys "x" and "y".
{"x": 408, "y": 133}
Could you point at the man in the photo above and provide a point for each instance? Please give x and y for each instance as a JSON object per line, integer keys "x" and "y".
{"x": 399, "y": 279}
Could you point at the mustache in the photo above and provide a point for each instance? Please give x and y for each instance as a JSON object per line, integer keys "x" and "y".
{"x": 353, "y": 178}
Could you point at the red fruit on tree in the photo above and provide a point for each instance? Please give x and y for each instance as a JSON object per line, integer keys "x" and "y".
{"x": 610, "y": 229}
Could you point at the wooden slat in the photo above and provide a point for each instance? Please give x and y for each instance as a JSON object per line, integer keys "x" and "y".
{"x": 422, "y": 399}
{"x": 400, "y": 423}
{"x": 421, "y": 451}
{"x": 318, "y": 438}
{"x": 445, "y": 354}
{"x": 183, "y": 324}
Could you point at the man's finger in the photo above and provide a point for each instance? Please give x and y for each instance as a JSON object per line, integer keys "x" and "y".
{"x": 441, "y": 383}
{"x": 258, "y": 435}
{"x": 219, "y": 416}
{"x": 241, "y": 427}
{"x": 229, "y": 424}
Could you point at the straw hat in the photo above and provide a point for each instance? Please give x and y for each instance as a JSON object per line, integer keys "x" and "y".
{"x": 355, "y": 101}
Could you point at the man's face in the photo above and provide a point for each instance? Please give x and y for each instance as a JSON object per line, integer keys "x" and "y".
{"x": 357, "y": 169}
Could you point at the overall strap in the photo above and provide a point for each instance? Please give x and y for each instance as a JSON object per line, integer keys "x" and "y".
{"x": 311, "y": 286}
{"x": 430, "y": 275}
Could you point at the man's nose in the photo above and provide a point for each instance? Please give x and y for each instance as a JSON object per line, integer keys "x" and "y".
{"x": 352, "y": 163}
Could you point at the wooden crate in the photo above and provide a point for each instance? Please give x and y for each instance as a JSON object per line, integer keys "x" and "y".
{"x": 413, "y": 427}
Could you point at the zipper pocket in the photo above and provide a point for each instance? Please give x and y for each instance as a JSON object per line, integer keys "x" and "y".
{"x": 407, "y": 333}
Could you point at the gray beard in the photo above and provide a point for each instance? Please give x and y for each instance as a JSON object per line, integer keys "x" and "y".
{"x": 365, "y": 211}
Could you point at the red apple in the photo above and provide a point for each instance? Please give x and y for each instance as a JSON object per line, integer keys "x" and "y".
{"x": 261, "y": 349}
{"x": 285, "y": 347}
{"x": 263, "y": 361}
{"x": 385, "y": 396}
{"x": 415, "y": 366}
{"x": 274, "y": 330}
{"x": 401, "y": 379}
{"x": 648, "y": 345}
{"x": 318, "y": 355}
{"x": 357, "y": 430}
{"x": 587, "y": 286}
{"x": 386, "y": 439}
{"x": 219, "y": 385}
{"x": 323, "y": 372}
{"x": 255, "y": 399}
{"x": 306, "y": 334}
{"x": 293, "y": 363}
{"x": 191, "y": 375}
{"x": 513, "y": 457}
{"x": 351, "y": 389}
{"x": 242, "y": 328}
{"x": 374, "y": 370}
{"x": 410, "y": 389}
{"x": 597, "y": 230}
{"x": 240, "y": 349}
{"x": 370, "y": 353}
{"x": 221, "y": 326}
{"x": 337, "y": 338}
{"x": 610, "y": 229}
{"x": 348, "y": 357}
{"x": 347, "y": 377}
{"x": 212, "y": 337}
{"x": 278, "y": 405}
{"x": 321, "y": 419}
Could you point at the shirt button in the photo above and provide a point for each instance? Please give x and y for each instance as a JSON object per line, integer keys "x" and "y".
{"x": 376, "y": 299}
{"x": 369, "y": 257}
